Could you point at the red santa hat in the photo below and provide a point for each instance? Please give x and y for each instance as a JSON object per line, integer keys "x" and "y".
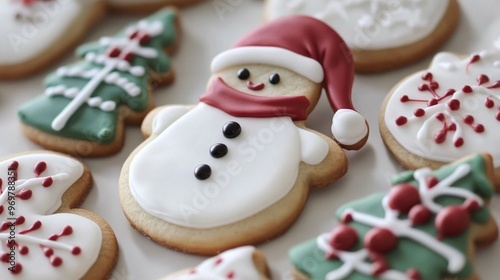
{"x": 311, "y": 49}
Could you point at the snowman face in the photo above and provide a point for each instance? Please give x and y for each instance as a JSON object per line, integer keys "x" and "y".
{"x": 270, "y": 81}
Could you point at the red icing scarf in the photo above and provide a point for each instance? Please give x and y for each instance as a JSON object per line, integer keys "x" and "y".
{"x": 240, "y": 104}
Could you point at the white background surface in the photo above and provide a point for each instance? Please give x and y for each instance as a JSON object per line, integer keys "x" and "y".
{"x": 206, "y": 33}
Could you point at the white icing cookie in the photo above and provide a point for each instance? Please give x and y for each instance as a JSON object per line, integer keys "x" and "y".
{"x": 44, "y": 238}
{"x": 38, "y": 32}
{"x": 448, "y": 111}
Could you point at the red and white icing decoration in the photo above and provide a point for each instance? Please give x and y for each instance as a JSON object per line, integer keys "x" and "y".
{"x": 450, "y": 110}
{"x": 418, "y": 204}
{"x": 47, "y": 245}
{"x": 120, "y": 53}
{"x": 232, "y": 264}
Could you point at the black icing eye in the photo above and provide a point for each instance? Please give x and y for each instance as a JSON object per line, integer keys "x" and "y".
{"x": 274, "y": 78}
{"x": 243, "y": 74}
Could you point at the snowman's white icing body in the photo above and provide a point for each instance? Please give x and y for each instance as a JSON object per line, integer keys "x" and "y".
{"x": 260, "y": 167}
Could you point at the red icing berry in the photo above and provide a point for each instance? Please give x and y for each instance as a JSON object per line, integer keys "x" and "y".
{"x": 23, "y": 250}
{"x": 144, "y": 39}
{"x": 497, "y": 116}
{"x": 404, "y": 98}
{"x": 114, "y": 52}
{"x": 67, "y": 230}
{"x": 55, "y": 261}
{"x": 482, "y": 79}
{"x": 380, "y": 240}
{"x": 467, "y": 89}
{"x": 452, "y": 221}
{"x": 403, "y": 197}
{"x": 133, "y": 34}
{"x": 401, "y": 121}
{"x": 419, "y": 215}
{"x": 440, "y": 137}
{"x": 47, "y": 182}
{"x": 39, "y": 168}
{"x": 413, "y": 274}
{"x": 129, "y": 57}
{"x": 20, "y": 220}
{"x": 495, "y": 85}
{"x": 469, "y": 119}
{"x": 432, "y": 182}
{"x": 230, "y": 275}
{"x": 379, "y": 267}
{"x": 449, "y": 92}
{"x": 48, "y": 251}
{"x": 419, "y": 112}
{"x": 343, "y": 238}
{"x": 347, "y": 218}
{"x": 423, "y": 87}
{"x": 13, "y": 165}
{"x": 24, "y": 194}
{"x": 4, "y": 258}
{"x": 459, "y": 142}
{"x": 489, "y": 103}
{"x": 17, "y": 269}
{"x": 479, "y": 128}
{"x": 452, "y": 127}
{"x": 440, "y": 117}
{"x": 427, "y": 76}
{"x": 454, "y": 104}
{"x": 76, "y": 251}
{"x": 434, "y": 85}
{"x": 432, "y": 102}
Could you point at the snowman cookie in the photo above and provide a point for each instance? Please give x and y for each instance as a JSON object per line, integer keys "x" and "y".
{"x": 86, "y": 105}
{"x": 236, "y": 169}
{"x": 446, "y": 112}
{"x": 426, "y": 227}
{"x": 382, "y": 35}
{"x": 145, "y": 6}
{"x": 240, "y": 263}
{"x": 45, "y": 236}
{"x": 34, "y": 33}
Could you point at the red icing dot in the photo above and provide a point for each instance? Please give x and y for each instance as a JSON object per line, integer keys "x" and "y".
{"x": 419, "y": 112}
{"x": 230, "y": 275}
{"x": 469, "y": 119}
{"x": 452, "y": 127}
{"x": 20, "y": 220}
{"x": 479, "y": 128}
{"x": 482, "y": 79}
{"x": 427, "y": 76}
{"x": 401, "y": 121}
{"x": 380, "y": 240}
{"x": 449, "y": 92}
{"x": 467, "y": 89}
{"x": 55, "y": 261}
{"x": 17, "y": 269}
{"x": 489, "y": 103}
{"x": 144, "y": 39}
{"x": 114, "y": 52}
{"x": 495, "y": 85}
{"x": 23, "y": 250}
{"x": 434, "y": 85}
{"x": 432, "y": 182}
{"x": 133, "y": 34}
{"x": 67, "y": 230}
{"x": 1, "y": 209}
{"x": 13, "y": 165}
{"x": 129, "y": 57}
{"x": 471, "y": 205}
{"x": 413, "y": 274}
{"x": 347, "y": 218}
{"x": 47, "y": 182}
{"x": 39, "y": 168}
{"x": 423, "y": 87}
{"x": 419, "y": 215}
{"x": 343, "y": 238}
{"x": 452, "y": 221}
{"x": 440, "y": 137}
{"x": 4, "y": 257}
{"x": 440, "y": 117}
{"x": 454, "y": 104}
{"x": 4, "y": 226}
{"x": 403, "y": 197}
{"x": 24, "y": 194}
{"x": 48, "y": 251}
{"x": 404, "y": 98}
{"x": 459, "y": 142}
{"x": 432, "y": 102}
{"x": 379, "y": 267}
{"x": 497, "y": 116}
{"x": 76, "y": 251}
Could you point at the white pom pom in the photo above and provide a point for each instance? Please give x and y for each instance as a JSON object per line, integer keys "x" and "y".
{"x": 348, "y": 127}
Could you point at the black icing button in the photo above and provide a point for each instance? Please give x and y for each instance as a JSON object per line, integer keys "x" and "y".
{"x": 231, "y": 130}
{"x": 218, "y": 150}
{"x": 202, "y": 172}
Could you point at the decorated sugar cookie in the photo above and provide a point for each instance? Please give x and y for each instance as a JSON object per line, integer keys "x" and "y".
{"x": 425, "y": 227}
{"x": 236, "y": 168}
{"x": 446, "y": 112}
{"x": 85, "y": 105}
{"x": 44, "y": 236}
{"x": 34, "y": 33}
{"x": 240, "y": 263}
{"x": 384, "y": 34}
{"x": 145, "y": 6}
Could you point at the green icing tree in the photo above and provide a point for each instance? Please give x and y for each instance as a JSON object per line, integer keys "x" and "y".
{"x": 82, "y": 101}
{"x": 420, "y": 229}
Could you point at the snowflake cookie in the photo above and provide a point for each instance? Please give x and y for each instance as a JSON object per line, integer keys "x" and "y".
{"x": 446, "y": 112}
{"x": 86, "y": 105}
{"x": 34, "y": 33}
{"x": 240, "y": 263}
{"x": 382, "y": 34}
{"x": 425, "y": 227}
{"x": 44, "y": 236}
{"x": 236, "y": 169}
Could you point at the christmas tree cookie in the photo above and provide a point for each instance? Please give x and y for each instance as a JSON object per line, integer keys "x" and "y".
{"x": 44, "y": 236}
{"x": 382, "y": 35}
{"x": 34, "y": 33}
{"x": 446, "y": 112}
{"x": 425, "y": 227}
{"x": 240, "y": 263}
{"x": 236, "y": 169}
{"x": 86, "y": 105}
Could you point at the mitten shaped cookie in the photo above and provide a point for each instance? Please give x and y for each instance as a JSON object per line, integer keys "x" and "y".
{"x": 240, "y": 263}
{"x": 236, "y": 169}
{"x": 426, "y": 227}
{"x": 446, "y": 112}
{"x": 86, "y": 105}
{"x": 34, "y": 33}
{"x": 44, "y": 236}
